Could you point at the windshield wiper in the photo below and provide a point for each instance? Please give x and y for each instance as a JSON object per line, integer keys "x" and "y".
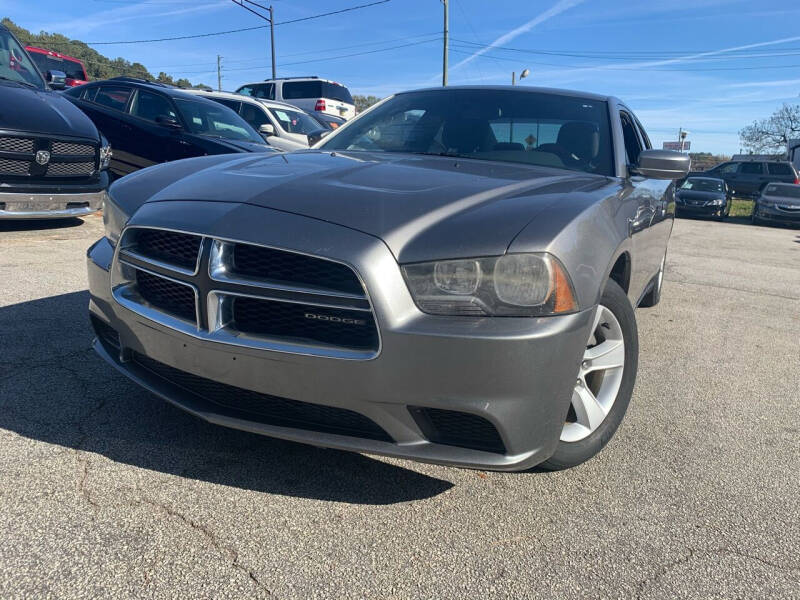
{"x": 449, "y": 154}
{"x": 19, "y": 82}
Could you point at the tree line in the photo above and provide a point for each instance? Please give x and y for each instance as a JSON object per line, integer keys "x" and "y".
{"x": 97, "y": 65}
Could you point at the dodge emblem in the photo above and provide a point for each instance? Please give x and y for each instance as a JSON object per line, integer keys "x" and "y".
{"x": 42, "y": 157}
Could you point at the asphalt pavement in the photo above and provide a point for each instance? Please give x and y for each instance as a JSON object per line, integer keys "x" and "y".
{"x": 108, "y": 492}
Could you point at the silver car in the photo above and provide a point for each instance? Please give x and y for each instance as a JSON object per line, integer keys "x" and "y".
{"x": 450, "y": 277}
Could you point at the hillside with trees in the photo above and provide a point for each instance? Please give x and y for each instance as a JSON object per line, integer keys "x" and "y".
{"x": 97, "y": 65}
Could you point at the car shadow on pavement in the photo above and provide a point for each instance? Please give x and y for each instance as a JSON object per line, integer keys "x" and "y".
{"x": 39, "y": 224}
{"x": 55, "y": 389}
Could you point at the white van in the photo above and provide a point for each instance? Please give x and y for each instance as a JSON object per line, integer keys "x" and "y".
{"x": 309, "y": 93}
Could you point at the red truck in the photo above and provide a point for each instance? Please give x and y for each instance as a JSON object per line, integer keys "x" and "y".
{"x": 48, "y": 60}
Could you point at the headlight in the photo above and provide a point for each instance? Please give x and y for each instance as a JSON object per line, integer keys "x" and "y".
{"x": 105, "y": 155}
{"x": 514, "y": 285}
{"x": 114, "y": 218}
{"x": 717, "y": 202}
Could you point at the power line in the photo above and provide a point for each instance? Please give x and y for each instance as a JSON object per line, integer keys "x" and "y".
{"x": 215, "y": 33}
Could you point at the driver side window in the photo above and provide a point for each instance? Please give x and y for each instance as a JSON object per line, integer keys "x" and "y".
{"x": 632, "y": 144}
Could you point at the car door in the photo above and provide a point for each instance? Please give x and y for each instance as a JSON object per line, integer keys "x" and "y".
{"x": 643, "y": 204}
{"x": 727, "y": 172}
{"x": 154, "y": 142}
{"x": 749, "y": 178}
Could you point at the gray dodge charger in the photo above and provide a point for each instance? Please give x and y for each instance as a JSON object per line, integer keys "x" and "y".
{"x": 450, "y": 277}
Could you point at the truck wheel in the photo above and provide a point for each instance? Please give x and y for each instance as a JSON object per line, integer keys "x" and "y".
{"x": 604, "y": 383}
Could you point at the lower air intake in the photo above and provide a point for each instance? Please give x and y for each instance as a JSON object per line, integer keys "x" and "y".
{"x": 271, "y": 410}
{"x": 456, "y": 428}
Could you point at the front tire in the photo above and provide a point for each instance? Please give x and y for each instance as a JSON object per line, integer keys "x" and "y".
{"x": 604, "y": 384}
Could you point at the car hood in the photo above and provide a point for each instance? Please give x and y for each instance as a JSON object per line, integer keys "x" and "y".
{"x": 36, "y": 111}
{"x": 697, "y": 195}
{"x": 423, "y": 207}
{"x": 243, "y": 146}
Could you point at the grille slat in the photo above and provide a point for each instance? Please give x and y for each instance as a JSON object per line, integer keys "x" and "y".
{"x": 291, "y": 268}
{"x": 267, "y": 409}
{"x": 306, "y": 323}
{"x": 70, "y": 169}
{"x": 13, "y": 144}
{"x": 73, "y": 149}
{"x": 180, "y": 249}
{"x": 174, "y": 298}
{"x": 14, "y": 167}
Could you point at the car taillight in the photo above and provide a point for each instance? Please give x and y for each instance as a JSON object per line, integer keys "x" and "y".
{"x": 320, "y": 105}
{"x": 797, "y": 181}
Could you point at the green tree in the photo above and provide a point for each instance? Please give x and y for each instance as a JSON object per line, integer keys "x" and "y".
{"x": 97, "y": 65}
{"x": 364, "y": 102}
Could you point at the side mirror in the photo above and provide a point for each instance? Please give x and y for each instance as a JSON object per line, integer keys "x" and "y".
{"x": 167, "y": 121}
{"x": 266, "y": 130}
{"x": 662, "y": 164}
{"x": 57, "y": 80}
{"x": 317, "y": 135}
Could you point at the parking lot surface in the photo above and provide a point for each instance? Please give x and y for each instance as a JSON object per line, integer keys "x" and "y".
{"x": 106, "y": 491}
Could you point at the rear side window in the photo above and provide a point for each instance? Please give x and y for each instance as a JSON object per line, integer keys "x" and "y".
{"x": 779, "y": 169}
{"x": 751, "y": 168}
{"x": 258, "y": 90}
{"x": 113, "y": 97}
{"x": 293, "y": 90}
{"x": 632, "y": 145}
{"x": 147, "y": 105}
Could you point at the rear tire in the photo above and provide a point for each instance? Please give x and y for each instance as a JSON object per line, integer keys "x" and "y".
{"x": 610, "y": 386}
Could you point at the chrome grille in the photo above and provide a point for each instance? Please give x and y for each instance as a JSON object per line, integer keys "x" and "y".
{"x": 789, "y": 207}
{"x": 13, "y": 144}
{"x": 72, "y": 148}
{"x": 70, "y": 169}
{"x": 13, "y": 167}
{"x": 169, "y": 276}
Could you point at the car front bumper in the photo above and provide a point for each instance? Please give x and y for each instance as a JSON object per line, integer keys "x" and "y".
{"x": 49, "y": 206}
{"x": 517, "y": 374}
{"x": 700, "y": 210}
{"x": 776, "y": 214}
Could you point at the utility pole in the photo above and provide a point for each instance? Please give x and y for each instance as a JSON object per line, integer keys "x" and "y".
{"x": 446, "y": 41}
{"x": 270, "y": 19}
{"x": 219, "y": 73}
{"x": 272, "y": 38}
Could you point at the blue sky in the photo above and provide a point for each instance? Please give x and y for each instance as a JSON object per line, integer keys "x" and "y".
{"x": 709, "y": 66}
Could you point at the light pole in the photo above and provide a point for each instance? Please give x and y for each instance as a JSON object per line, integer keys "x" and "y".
{"x": 446, "y": 38}
{"x": 682, "y": 136}
{"x": 523, "y": 75}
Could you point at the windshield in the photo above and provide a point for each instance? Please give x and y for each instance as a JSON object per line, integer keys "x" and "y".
{"x": 787, "y": 191}
{"x": 703, "y": 185}
{"x": 215, "y": 120}
{"x": 293, "y": 121}
{"x": 72, "y": 68}
{"x": 532, "y": 128}
{"x": 295, "y": 90}
{"x": 15, "y": 64}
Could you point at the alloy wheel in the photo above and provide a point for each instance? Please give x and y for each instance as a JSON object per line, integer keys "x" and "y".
{"x": 599, "y": 377}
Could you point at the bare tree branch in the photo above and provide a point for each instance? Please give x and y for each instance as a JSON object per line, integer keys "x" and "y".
{"x": 771, "y": 135}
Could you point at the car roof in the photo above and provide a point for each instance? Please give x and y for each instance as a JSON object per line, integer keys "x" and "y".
{"x": 299, "y": 78}
{"x": 520, "y": 89}
{"x": 169, "y": 90}
{"x": 706, "y": 177}
{"x": 244, "y": 98}
{"x": 39, "y": 50}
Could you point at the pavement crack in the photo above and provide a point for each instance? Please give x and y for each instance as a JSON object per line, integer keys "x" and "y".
{"x": 224, "y": 550}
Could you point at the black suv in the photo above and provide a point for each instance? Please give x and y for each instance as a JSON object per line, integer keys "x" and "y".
{"x": 52, "y": 158}
{"x": 748, "y": 178}
{"x": 149, "y": 123}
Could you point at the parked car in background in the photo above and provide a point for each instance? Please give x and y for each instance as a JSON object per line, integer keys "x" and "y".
{"x": 48, "y": 60}
{"x": 282, "y": 125}
{"x": 778, "y": 203}
{"x": 421, "y": 285}
{"x": 53, "y": 160}
{"x": 747, "y": 178}
{"x": 327, "y": 121}
{"x": 149, "y": 123}
{"x": 703, "y": 196}
{"x": 312, "y": 94}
